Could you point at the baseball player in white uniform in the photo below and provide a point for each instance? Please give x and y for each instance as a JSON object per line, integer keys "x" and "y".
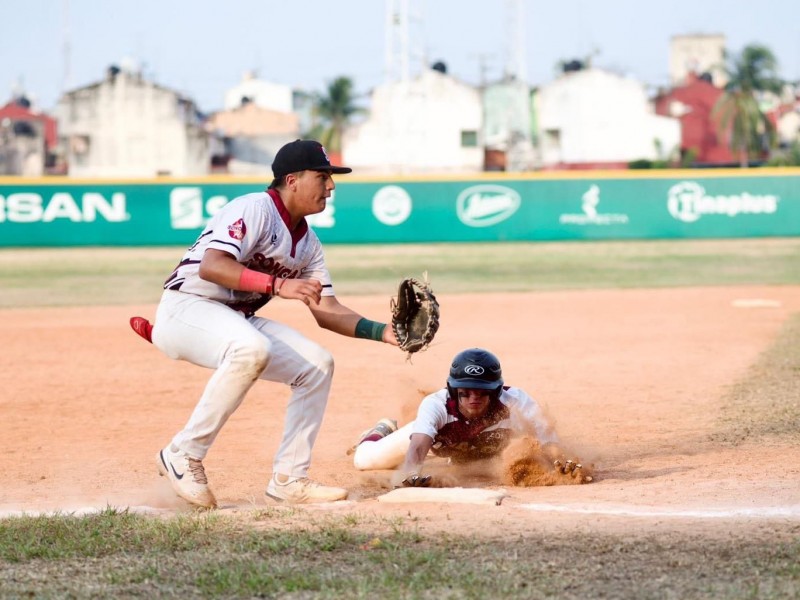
{"x": 257, "y": 247}
{"x": 474, "y": 417}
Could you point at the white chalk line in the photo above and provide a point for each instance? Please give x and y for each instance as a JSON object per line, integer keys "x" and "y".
{"x": 642, "y": 511}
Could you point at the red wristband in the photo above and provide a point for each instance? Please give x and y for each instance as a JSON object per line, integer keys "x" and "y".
{"x": 255, "y": 281}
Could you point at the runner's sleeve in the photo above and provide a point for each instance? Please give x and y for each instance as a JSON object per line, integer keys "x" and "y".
{"x": 431, "y": 414}
{"x": 527, "y": 414}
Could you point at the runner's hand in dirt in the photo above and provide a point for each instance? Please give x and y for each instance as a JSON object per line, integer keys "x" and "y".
{"x": 573, "y": 469}
{"x": 401, "y": 479}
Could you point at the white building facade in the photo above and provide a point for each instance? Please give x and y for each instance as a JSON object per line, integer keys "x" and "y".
{"x": 264, "y": 94}
{"x": 594, "y": 118}
{"x": 429, "y": 124}
{"x": 125, "y": 126}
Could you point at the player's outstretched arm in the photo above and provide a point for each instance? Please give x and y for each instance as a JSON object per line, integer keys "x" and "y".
{"x": 410, "y": 472}
{"x": 335, "y": 316}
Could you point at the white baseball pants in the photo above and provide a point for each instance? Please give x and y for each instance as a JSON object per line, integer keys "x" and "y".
{"x": 242, "y": 350}
{"x": 385, "y": 453}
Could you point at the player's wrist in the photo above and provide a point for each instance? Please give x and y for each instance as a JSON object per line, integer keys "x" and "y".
{"x": 255, "y": 281}
{"x": 370, "y": 330}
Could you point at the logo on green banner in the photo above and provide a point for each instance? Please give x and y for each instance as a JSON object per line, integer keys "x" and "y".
{"x": 485, "y": 205}
{"x": 688, "y": 201}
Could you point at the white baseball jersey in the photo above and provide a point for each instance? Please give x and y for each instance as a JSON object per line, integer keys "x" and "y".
{"x": 254, "y": 228}
{"x": 515, "y": 413}
{"x": 455, "y": 437}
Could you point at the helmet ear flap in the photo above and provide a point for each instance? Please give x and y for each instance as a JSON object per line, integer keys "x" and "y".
{"x": 451, "y": 392}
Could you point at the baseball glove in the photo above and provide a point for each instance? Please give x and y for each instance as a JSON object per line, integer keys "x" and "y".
{"x": 415, "y": 315}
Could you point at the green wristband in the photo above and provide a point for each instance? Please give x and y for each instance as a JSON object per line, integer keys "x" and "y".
{"x": 370, "y": 330}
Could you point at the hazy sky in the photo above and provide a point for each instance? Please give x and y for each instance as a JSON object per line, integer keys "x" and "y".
{"x": 203, "y": 47}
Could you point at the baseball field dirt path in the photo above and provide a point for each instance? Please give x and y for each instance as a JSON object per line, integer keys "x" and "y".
{"x": 634, "y": 381}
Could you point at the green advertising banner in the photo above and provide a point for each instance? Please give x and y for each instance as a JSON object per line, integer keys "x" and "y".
{"x": 589, "y": 205}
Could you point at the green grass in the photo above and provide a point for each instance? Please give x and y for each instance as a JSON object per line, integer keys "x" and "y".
{"x": 105, "y": 276}
{"x": 207, "y": 555}
{"x": 765, "y": 405}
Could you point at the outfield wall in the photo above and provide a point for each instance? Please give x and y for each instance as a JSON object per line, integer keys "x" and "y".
{"x": 589, "y": 205}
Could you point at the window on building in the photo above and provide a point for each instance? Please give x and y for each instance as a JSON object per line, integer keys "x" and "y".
{"x": 552, "y": 138}
{"x": 469, "y": 138}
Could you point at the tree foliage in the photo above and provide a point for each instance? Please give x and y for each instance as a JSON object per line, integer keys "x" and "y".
{"x": 749, "y": 131}
{"x": 334, "y": 109}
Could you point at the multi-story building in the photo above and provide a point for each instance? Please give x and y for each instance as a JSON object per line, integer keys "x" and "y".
{"x": 428, "y": 124}
{"x": 693, "y": 104}
{"x": 27, "y": 140}
{"x": 252, "y": 136}
{"x": 696, "y": 54}
{"x": 126, "y": 126}
{"x": 591, "y": 118}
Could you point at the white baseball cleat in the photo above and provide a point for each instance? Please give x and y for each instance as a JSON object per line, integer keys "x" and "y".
{"x": 187, "y": 476}
{"x": 303, "y": 491}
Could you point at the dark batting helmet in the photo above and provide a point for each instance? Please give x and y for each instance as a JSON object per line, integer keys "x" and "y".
{"x": 475, "y": 369}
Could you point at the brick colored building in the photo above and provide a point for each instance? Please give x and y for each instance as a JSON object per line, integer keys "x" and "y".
{"x": 692, "y": 103}
{"x": 27, "y": 140}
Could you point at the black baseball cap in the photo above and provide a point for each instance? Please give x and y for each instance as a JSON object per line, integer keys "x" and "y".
{"x": 303, "y": 155}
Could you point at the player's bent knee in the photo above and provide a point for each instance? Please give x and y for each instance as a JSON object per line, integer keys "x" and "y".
{"x": 252, "y": 354}
{"x": 323, "y": 362}
{"x": 327, "y": 364}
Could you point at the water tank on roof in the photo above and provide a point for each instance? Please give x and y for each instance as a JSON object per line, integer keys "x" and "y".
{"x": 439, "y": 66}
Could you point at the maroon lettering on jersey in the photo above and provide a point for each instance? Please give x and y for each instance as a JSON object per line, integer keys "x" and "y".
{"x": 265, "y": 264}
{"x": 238, "y": 230}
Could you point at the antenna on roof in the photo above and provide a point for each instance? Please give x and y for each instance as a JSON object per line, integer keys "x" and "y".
{"x": 515, "y": 24}
{"x": 401, "y": 45}
{"x": 66, "y": 81}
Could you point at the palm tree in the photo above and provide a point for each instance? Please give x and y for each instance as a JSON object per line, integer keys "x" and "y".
{"x": 334, "y": 108}
{"x": 739, "y": 116}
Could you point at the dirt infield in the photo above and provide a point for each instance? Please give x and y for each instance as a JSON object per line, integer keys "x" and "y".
{"x": 634, "y": 381}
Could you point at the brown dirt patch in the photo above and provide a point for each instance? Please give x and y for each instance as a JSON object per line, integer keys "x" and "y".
{"x": 634, "y": 381}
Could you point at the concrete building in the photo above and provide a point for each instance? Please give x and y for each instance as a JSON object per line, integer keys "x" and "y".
{"x": 126, "y": 126}
{"x": 507, "y": 126}
{"x": 252, "y": 136}
{"x": 693, "y": 103}
{"x": 697, "y": 54}
{"x": 264, "y": 94}
{"x": 593, "y": 118}
{"x": 429, "y": 124}
{"x": 28, "y": 140}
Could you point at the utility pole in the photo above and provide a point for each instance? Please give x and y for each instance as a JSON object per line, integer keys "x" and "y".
{"x": 515, "y": 26}
{"x": 483, "y": 59}
{"x": 401, "y": 44}
{"x": 66, "y": 81}
{"x": 396, "y": 58}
